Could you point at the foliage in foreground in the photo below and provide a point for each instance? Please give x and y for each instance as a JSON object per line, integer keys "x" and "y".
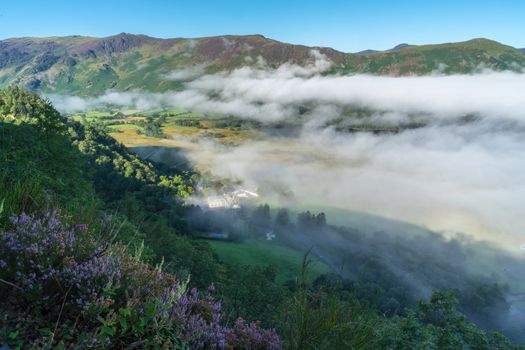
{"x": 108, "y": 298}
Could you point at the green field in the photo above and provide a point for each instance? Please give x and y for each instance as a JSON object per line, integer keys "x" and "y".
{"x": 287, "y": 261}
{"x": 125, "y": 127}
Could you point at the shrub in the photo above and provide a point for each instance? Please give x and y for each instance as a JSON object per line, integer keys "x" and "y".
{"x": 62, "y": 286}
{"x": 47, "y": 261}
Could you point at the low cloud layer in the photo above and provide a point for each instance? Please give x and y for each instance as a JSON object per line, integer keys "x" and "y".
{"x": 460, "y": 170}
{"x": 270, "y": 95}
{"x": 454, "y": 178}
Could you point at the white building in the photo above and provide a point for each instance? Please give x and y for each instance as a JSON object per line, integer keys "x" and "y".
{"x": 217, "y": 202}
{"x": 232, "y": 200}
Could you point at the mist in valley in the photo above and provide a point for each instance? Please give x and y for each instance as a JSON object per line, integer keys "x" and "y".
{"x": 443, "y": 151}
{"x": 440, "y": 155}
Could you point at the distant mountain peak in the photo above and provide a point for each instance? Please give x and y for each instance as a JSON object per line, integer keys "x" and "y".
{"x": 129, "y": 36}
{"x": 394, "y": 49}
{"x": 482, "y": 40}
{"x": 113, "y": 44}
{"x": 400, "y": 47}
{"x": 367, "y": 52}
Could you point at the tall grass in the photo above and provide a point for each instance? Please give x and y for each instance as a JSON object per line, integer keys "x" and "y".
{"x": 19, "y": 196}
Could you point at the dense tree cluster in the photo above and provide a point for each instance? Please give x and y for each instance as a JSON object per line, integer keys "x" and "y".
{"x": 22, "y": 106}
{"x": 151, "y": 126}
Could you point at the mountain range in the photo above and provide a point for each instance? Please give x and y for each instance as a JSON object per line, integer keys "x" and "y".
{"x": 89, "y": 66}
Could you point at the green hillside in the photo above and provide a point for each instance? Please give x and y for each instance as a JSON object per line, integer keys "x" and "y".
{"x": 89, "y": 66}
{"x": 463, "y": 57}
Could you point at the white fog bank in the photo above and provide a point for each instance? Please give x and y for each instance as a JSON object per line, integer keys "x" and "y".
{"x": 450, "y": 175}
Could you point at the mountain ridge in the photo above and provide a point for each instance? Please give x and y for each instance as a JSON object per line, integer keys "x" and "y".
{"x": 395, "y": 48}
{"x": 87, "y": 65}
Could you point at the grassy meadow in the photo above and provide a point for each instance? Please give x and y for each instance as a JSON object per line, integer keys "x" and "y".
{"x": 251, "y": 252}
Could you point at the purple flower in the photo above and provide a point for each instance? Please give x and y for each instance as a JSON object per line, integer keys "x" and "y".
{"x": 50, "y": 258}
{"x": 81, "y": 227}
{"x": 46, "y": 258}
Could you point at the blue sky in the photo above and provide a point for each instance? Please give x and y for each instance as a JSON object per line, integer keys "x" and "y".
{"x": 345, "y": 25}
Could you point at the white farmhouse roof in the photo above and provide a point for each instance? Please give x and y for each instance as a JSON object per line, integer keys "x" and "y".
{"x": 230, "y": 200}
